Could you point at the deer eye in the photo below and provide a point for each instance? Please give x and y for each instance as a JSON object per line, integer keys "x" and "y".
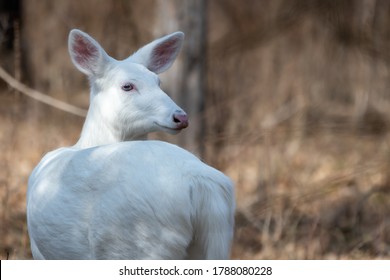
{"x": 128, "y": 87}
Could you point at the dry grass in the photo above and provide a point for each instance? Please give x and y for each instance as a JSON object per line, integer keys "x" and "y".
{"x": 325, "y": 197}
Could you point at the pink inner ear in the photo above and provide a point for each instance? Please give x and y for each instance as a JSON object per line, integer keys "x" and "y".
{"x": 84, "y": 51}
{"x": 163, "y": 54}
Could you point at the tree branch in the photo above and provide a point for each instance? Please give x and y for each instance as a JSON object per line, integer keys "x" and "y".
{"x": 61, "y": 105}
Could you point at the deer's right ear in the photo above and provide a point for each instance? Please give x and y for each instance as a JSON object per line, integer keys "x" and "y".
{"x": 86, "y": 54}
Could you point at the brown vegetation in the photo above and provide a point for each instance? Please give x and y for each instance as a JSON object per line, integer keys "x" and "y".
{"x": 296, "y": 112}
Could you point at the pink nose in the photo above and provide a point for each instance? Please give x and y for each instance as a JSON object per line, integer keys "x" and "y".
{"x": 181, "y": 120}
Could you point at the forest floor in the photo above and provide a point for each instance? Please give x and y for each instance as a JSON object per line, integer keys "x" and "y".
{"x": 325, "y": 195}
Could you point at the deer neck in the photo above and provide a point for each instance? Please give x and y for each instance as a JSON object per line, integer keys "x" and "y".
{"x": 97, "y": 132}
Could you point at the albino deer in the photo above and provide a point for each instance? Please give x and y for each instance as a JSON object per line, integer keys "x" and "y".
{"x": 115, "y": 195}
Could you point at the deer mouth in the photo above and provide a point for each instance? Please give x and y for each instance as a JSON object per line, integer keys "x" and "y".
{"x": 172, "y": 130}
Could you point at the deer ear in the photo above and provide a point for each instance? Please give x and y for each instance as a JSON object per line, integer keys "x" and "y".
{"x": 159, "y": 55}
{"x": 86, "y": 54}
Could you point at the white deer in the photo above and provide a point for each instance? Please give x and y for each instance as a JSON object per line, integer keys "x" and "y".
{"x": 116, "y": 195}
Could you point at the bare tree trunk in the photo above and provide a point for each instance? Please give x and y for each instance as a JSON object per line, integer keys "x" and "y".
{"x": 192, "y": 87}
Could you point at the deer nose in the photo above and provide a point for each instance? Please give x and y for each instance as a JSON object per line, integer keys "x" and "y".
{"x": 181, "y": 120}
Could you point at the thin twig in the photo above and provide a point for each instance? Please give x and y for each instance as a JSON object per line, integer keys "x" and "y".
{"x": 40, "y": 96}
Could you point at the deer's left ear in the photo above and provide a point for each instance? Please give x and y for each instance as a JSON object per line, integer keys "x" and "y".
{"x": 159, "y": 55}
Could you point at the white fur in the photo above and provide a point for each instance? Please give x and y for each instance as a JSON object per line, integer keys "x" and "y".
{"x": 110, "y": 198}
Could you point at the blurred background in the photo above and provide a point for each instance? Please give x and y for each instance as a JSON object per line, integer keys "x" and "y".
{"x": 290, "y": 98}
